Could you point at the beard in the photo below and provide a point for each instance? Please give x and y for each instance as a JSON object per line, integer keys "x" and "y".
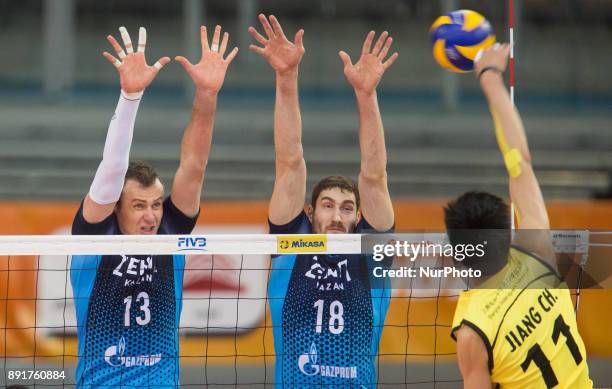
{"x": 336, "y": 227}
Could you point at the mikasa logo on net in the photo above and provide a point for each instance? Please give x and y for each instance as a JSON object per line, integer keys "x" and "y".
{"x": 286, "y": 244}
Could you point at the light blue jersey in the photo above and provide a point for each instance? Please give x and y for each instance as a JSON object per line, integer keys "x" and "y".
{"x": 128, "y": 309}
{"x": 327, "y": 317}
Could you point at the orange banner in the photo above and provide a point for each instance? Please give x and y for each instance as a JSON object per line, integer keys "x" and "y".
{"x": 33, "y": 218}
{"x": 18, "y": 284}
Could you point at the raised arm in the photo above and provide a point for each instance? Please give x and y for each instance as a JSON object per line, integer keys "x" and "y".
{"x": 284, "y": 56}
{"x": 525, "y": 191}
{"x": 524, "y": 188}
{"x": 208, "y": 76}
{"x": 134, "y": 75}
{"x": 364, "y": 76}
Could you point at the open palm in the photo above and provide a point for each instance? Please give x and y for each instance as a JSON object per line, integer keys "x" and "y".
{"x": 281, "y": 54}
{"x": 134, "y": 73}
{"x": 367, "y": 72}
{"x": 209, "y": 73}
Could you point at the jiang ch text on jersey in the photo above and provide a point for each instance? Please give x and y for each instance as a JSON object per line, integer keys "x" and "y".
{"x": 191, "y": 243}
{"x": 286, "y": 244}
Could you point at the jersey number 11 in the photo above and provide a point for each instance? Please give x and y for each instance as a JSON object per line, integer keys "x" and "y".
{"x": 536, "y": 355}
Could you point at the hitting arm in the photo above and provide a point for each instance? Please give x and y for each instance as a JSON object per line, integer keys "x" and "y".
{"x": 525, "y": 191}
{"x": 524, "y": 188}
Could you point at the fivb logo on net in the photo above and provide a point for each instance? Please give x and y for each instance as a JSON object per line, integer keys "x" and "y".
{"x": 191, "y": 243}
{"x": 114, "y": 356}
{"x": 307, "y": 363}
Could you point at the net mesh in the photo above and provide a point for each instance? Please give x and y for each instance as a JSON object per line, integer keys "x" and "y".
{"x": 225, "y": 332}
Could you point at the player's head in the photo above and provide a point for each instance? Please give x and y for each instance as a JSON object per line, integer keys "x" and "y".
{"x": 139, "y": 210}
{"x": 334, "y": 208}
{"x": 475, "y": 218}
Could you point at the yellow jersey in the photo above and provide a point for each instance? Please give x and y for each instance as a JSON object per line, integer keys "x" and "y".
{"x": 526, "y": 319}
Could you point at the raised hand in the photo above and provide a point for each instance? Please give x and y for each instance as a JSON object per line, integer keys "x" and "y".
{"x": 280, "y": 53}
{"x": 493, "y": 57}
{"x": 134, "y": 73}
{"x": 209, "y": 73}
{"x": 365, "y": 75}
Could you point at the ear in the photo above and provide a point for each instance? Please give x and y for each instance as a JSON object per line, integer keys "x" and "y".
{"x": 358, "y": 216}
{"x": 309, "y": 211}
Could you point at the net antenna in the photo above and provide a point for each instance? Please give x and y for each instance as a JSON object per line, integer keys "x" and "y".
{"x": 512, "y": 83}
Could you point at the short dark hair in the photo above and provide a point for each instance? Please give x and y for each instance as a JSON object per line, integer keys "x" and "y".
{"x": 345, "y": 184}
{"x": 488, "y": 218}
{"x": 141, "y": 172}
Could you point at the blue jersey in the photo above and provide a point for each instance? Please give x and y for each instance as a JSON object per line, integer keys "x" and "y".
{"x": 128, "y": 309}
{"x": 327, "y": 317}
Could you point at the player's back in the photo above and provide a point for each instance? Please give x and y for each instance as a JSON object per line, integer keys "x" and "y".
{"x": 538, "y": 345}
{"x": 527, "y": 322}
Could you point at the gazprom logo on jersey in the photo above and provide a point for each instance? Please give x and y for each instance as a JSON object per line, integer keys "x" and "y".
{"x": 301, "y": 244}
{"x": 307, "y": 364}
{"x": 191, "y": 243}
{"x": 114, "y": 357}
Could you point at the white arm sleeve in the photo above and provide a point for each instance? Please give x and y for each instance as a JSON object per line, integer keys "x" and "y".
{"x": 108, "y": 183}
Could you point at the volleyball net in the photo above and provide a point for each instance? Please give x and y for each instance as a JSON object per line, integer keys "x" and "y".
{"x": 226, "y": 332}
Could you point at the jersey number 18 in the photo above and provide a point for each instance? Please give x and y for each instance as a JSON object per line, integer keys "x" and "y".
{"x": 336, "y": 318}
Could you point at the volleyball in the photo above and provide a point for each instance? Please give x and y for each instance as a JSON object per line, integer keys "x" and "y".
{"x": 457, "y": 37}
